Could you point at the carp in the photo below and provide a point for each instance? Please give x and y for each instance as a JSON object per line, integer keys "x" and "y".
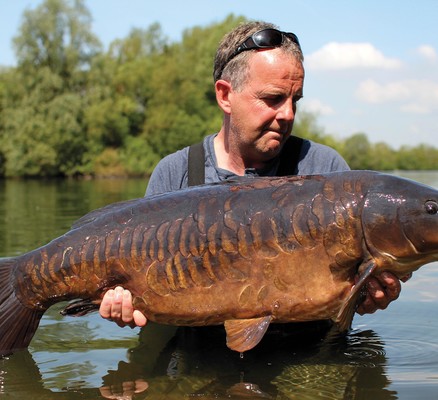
{"x": 244, "y": 253}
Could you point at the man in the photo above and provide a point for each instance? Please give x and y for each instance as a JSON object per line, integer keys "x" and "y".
{"x": 258, "y": 74}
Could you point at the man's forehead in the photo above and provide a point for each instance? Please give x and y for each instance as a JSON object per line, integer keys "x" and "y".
{"x": 275, "y": 59}
{"x": 270, "y": 68}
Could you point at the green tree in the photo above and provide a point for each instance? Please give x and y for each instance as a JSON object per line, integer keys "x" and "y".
{"x": 357, "y": 152}
{"x": 383, "y": 157}
{"x": 69, "y": 108}
{"x": 118, "y": 95}
{"x": 57, "y": 35}
{"x": 41, "y": 123}
{"x": 183, "y": 108}
{"x": 306, "y": 126}
{"x": 422, "y": 157}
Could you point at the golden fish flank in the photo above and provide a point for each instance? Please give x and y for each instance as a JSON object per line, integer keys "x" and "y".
{"x": 243, "y": 254}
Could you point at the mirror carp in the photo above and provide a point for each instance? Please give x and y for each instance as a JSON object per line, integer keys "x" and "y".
{"x": 244, "y": 253}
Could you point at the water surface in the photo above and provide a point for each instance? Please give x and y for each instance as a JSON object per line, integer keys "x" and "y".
{"x": 392, "y": 354}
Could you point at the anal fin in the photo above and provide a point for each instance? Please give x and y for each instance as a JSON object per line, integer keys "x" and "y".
{"x": 244, "y": 334}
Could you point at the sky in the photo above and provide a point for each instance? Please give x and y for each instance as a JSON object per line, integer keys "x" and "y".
{"x": 371, "y": 65}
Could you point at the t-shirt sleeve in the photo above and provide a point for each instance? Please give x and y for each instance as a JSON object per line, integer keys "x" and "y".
{"x": 317, "y": 158}
{"x": 170, "y": 174}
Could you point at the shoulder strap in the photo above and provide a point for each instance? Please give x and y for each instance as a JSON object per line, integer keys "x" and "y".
{"x": 290, "y": 155}
{"x": 289, "y": 158}
{"x": 196, "y": 164}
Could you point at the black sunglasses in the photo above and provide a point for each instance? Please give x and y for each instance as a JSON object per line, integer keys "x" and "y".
{"x": 263, "y": 39}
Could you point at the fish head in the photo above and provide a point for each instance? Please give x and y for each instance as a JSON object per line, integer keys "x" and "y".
{"x": 400, "y": 223}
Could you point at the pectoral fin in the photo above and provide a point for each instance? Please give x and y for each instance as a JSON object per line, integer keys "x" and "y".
{"x": 244, "y": 334}
{"x": 346, "y": 313}
{"x": 78, "y": 308}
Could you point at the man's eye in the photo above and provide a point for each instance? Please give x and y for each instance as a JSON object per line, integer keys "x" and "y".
{"x": 273, "y": 98}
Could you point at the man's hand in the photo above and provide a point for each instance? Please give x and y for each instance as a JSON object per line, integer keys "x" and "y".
{"x": 381, "y": 290}
{"x": 117, "y": 306}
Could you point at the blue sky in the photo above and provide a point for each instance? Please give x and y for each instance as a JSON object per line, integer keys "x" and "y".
{"x": 371, "y": 66}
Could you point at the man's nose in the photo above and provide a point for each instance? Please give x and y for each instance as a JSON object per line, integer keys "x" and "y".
{"x": 287, "y": 110}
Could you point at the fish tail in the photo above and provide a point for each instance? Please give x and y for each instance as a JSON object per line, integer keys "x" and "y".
{"x": 18, "y": 323}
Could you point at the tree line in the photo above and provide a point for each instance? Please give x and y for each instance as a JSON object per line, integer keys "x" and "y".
{"x": 70, "y": 108}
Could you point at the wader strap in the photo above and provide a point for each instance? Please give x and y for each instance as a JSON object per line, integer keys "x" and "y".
{"x": 196, "y": 167}
{"x": 290, "y": 155}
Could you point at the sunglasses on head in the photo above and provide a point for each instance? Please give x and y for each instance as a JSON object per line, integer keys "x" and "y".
{"x": 263, "y": 39}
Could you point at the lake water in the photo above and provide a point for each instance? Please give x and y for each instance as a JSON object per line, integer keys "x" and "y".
{"x": 392, "y": 354}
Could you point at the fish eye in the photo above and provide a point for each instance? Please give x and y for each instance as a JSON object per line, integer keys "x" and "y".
{"x": 431, "y": 207}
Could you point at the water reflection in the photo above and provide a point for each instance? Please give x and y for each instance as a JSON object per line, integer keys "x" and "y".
{"x": 302, "y": 364}
{"x": 20, "y": 378}
{"x": 172, "y": 363}
{"x": 34, "y": 212}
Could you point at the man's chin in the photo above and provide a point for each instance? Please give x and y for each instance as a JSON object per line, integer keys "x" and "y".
{"x": 275, "y": 145}
{"x": 272, "y": 152}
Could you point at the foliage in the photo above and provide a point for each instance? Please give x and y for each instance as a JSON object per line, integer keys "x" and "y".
{"x": 358, "y": 152}
{"x": 71, "y": 108}
{"x": 56, "y": 35}
{"x": 361, "y": 154}
{"x": 43, "y": 102}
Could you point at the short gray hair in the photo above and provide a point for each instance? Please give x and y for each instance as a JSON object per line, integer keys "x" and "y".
{"x": 236, "y": 70}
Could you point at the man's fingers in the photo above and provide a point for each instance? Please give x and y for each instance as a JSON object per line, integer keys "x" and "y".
{"x": 391, "y": 285}
{"x": 106, "y": 304}
{"x": 127, "y": 308}
{"x": 117, "y": 306}
{"x": 375, "y": 298}
{"x": 381, "y": 290}
{"x": 139, "y": 318}
{"x": 368, "y": 306}
{"x": 376, "y": 291}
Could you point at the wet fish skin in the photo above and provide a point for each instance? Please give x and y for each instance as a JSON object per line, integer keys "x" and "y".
{"x": 243, "y": 254}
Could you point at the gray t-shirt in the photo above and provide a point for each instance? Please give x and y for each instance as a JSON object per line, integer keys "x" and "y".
{"x": 171, "y": 173}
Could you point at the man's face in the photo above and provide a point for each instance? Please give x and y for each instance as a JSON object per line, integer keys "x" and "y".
{"x": 262, "y": 113}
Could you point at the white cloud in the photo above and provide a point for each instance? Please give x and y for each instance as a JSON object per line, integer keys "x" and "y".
{"x": 316, "y": 106}
{"x": 372, "y": 92}
{"x": 414, "y": 108}
{"x": 416, "y": 96}
{"x": 349, "y": 55}
{"x": 428, "y": 52}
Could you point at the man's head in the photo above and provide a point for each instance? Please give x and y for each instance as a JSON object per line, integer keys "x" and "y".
{"x": 257, "y": 91}
{"x": 236, "y": 48}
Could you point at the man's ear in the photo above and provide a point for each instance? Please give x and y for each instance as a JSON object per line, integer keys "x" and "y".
{"x": 223, "y": 90}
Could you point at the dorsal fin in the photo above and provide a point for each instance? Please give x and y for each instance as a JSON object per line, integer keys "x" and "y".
{"x": 95, "y": 214}
{"x": 244, "y": 334}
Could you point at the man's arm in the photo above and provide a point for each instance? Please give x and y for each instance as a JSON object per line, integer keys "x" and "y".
{"x": 170, "y": 174}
